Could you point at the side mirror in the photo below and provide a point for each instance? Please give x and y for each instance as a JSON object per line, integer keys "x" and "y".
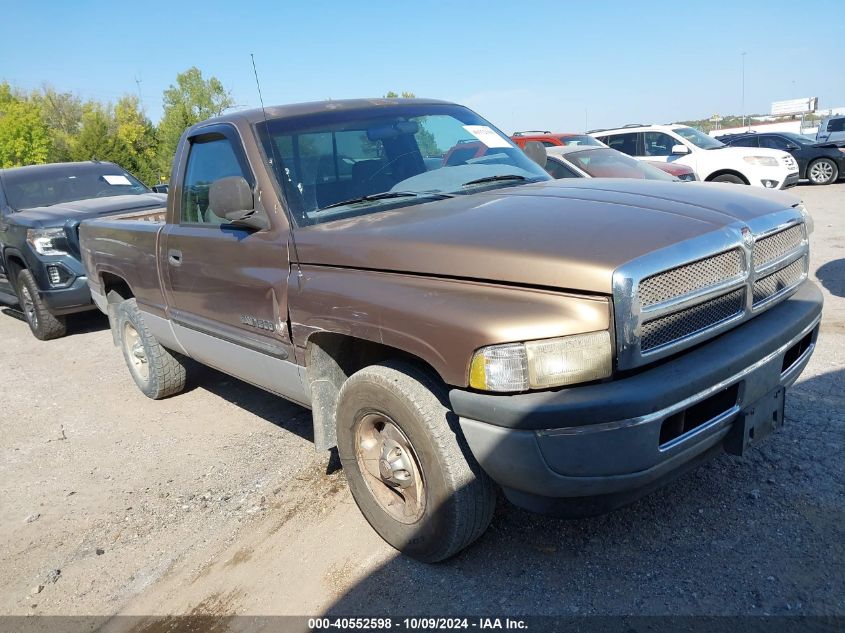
{"x": 791, "y": 147}
{"x": 680, "y": 150}
{"x": 232, "y": 198}
{"x": 536, "y": 151}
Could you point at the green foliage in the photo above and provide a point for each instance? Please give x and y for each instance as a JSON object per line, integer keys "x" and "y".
{"x": 24, "y": 139}
{"x": 190, "y": 100}
{"x": 46, "y": 126}
{"x": 63, "y": 115}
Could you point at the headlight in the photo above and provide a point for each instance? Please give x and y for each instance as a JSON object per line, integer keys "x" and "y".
{"x": 47, "y": 241}
{"x": 808, "y": 219}
{"x": 761, "y": 161}
{"x": 542, "y": 364}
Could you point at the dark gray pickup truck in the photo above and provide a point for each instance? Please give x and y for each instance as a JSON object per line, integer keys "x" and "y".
{"x": 41, "y": 207}
{"x": 456, "y": 319}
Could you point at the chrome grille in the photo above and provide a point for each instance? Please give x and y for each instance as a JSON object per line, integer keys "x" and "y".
{"x": 673, "y": 298}
{"x": 690, "y": 277}
{"x": 770, "y": 248}
{"x": 678, "y": 325}
{"x": 772, "y": 284}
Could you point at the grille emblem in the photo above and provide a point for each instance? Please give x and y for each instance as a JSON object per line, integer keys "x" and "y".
{"x": 747, "y": 236}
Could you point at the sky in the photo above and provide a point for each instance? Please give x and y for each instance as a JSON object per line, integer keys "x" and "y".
{"x": 561, "y": 66}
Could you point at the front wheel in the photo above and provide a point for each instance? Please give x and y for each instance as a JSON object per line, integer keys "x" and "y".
{"x": 407, "y": 466}
{"x": 157, "y": 371}
{"x": 44, "y": 325}
{"x": 822, "y": 171}
{"x": 729, "y": 178}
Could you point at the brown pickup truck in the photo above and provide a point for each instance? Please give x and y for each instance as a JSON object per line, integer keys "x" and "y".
{"x": 457, "y": 323}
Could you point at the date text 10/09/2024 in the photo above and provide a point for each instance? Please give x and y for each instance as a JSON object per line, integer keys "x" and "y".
{"x": 416, "y": 624}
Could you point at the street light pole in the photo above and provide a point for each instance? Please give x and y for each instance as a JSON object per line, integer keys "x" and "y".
{"x": 743, "y": 88}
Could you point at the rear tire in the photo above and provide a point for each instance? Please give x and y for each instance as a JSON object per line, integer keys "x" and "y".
{"x": 44, "y": 325}
{"x": 157, "y": 371}
{"x": 822, "y": 171}
{"x": 407, "y": 465}
{"x": 729, "y": 178}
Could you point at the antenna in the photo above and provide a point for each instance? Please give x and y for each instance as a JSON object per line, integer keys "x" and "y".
{"x": 275, "y": 160}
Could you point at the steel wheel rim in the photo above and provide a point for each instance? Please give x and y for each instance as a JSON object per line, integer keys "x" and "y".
{"x": 136, "y": 355}
{"x": 390, "y": 467}
{"x": 28, "y": 306}
{"x": 821, "y": 172}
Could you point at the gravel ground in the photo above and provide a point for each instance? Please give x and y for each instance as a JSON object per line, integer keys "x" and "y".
{"x": 215, "y": 502}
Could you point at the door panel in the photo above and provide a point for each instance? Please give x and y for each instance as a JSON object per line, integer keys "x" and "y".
{"x": 223, "y": 281}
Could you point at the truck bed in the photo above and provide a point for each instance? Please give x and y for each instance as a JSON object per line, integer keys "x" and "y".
{"x": 125, "y": 245}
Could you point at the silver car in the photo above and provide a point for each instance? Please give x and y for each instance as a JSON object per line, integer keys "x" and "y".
{"x": 831, "y": 128}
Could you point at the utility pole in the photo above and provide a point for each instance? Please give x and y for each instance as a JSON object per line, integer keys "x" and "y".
{"x": 743, "y": 88}
{"x": 140, "y": 98}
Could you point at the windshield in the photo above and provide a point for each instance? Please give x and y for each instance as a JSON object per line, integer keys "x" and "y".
{"x": 581, "y": 139}
{"x": 44, "y": 186}
{"x": 698, "y": 138}
{"x": 608, "y": 163}
{"x": 339, "y": 163}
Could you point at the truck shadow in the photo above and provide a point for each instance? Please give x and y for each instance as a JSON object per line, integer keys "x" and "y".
{"x": 832, "y": 276}
{"x": 280, "y": 412}
{"x": 761, "y": 534}
{"x": 82, "y": 323}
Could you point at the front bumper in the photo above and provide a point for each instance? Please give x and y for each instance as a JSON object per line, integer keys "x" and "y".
{"x": 790, "y": 181}
{"x": 74, "y": 298}
{"x": 608, "y": 441}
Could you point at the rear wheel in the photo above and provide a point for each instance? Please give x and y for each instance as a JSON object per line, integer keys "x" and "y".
{"x": 407, "y": 466}
{"x": 731, "y": 178}
{"x": 822, "y": 171}
{"x": 157, "y": 371}
{"x": 42, "y": 322}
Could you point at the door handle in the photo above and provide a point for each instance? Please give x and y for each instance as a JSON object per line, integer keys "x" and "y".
{"x": 174, "y": 257}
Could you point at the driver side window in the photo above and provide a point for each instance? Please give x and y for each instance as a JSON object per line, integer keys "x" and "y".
{"x": 658, "y": 144}
{"x": 210, "y": 159}
{"x": 773, "y": 142}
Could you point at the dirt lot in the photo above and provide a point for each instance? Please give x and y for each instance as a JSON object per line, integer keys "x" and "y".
{"x": 215, "y": 501}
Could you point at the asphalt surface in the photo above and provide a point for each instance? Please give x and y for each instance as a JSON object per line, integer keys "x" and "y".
{"x": 214, "y": 501}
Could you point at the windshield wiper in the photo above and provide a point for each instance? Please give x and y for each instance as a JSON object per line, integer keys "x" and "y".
{"x": 479, "y": 181}
{"x": 386, "y": 195}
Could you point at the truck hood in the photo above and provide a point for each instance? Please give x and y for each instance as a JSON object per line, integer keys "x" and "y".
{"x": 565, "y": 234}
{"x": 58, "y": 214}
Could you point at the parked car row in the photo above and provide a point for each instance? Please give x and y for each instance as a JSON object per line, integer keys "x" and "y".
{"x": 622, "y": 169}
{"x": 456, "y": 319}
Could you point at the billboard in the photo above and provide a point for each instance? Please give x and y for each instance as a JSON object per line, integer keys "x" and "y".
{"x": 795, "y": 106}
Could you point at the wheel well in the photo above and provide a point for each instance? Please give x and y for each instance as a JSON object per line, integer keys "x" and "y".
{"x": 727, "y": 172}
{"x": 115, "y": 288}
{"x": 15, "y": 265}
{"x": 329, "y": 360}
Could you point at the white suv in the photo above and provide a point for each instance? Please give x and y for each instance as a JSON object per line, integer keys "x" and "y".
{"x": 711, "y": 159}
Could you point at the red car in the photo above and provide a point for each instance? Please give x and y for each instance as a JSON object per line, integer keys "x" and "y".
{"x": 553, "y": 140}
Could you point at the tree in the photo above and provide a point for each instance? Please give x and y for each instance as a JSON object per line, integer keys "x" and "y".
{"x": 97, "y": 139}
{"x": 63, "y": 115}
{"x": 405, "y": 95}
{"x": 24, "y": 138}
{"x": 190, "y": 100}
{"x": 136, "y": 137}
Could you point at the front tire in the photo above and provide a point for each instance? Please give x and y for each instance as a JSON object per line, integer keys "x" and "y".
{"x": 157, "y": 371}
{"x": 44, "y": 325}
{"x": 822, "y": 171}
{"x": 407, "y": 466}
{"x": 729, "y": 178}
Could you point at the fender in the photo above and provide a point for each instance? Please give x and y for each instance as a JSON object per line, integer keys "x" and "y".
{"x": 440, "y": 321}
